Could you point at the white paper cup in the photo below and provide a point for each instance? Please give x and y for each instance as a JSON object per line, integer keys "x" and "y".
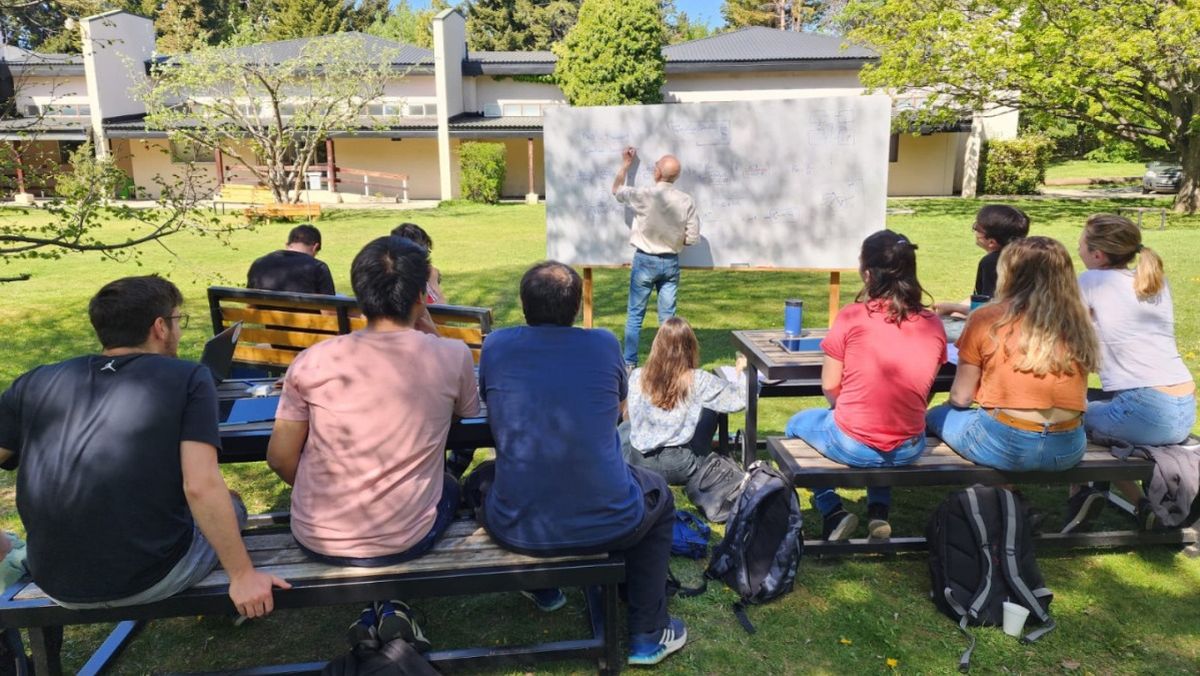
{"x": 1014, "y": 618}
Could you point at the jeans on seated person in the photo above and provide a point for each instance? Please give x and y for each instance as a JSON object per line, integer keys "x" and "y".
{"x": 446, "y": 509}
{"x": 676, "y": 464}
{"x": 647, "y": 273}
{"x": 1142, "y": 416}
{"x": 975, "y": 434}
{"x": 199, "y": 560}
{"x": 647, "y": 549}
{"x": 816, "y": 426}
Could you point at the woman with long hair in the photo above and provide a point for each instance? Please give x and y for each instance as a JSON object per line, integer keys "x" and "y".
{"x": 881, "y": 357}
{"x": 1153, "y": 396}
{"x": 673, "y": 404}
{"x": 1024, "y": 359}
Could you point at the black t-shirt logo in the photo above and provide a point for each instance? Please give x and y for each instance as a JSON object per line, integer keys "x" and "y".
{"x": 110, "y": 366}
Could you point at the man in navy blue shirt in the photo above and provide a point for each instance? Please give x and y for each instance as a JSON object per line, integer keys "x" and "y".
{"x": 559, "y": 484}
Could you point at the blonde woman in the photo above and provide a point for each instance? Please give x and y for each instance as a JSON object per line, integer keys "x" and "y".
{"x": 673, "y": 405}
{"x": 1153, "y": 395}
{"x": 1024, "y": 359}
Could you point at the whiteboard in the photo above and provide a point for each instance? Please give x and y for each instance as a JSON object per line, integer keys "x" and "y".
{"x": 795, "y": 183}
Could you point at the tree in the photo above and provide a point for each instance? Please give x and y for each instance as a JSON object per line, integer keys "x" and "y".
{"x": 306, "y": 18}
{"x": 269, "y": 114}
{"x": 404, "y": 24}
{"x": 180, "y": 27}
{"x": 519, "y": 25}
{"x": 83, "y": 206}
{"x": 679, "y": 26}
{"x": 792, "y": 15}
{"x": 613, "y": 55}
{"x": 1128, "y": 68}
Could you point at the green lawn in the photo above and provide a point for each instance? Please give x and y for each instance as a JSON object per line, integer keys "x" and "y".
{"x": 1089, "y": 169}
{"x": 1118, "y": 612}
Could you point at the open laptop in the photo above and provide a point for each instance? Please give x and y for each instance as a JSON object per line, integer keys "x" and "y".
{"x": 218, "y": 352}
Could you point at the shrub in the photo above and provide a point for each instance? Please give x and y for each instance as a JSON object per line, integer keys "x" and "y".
{"x": 1114, "y": 150}
{"x": 482, "y": 171}
{"x": 1016, "y": 166}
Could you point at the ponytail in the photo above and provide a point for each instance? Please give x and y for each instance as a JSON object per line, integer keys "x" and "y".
{"x": 1121, "y": 241}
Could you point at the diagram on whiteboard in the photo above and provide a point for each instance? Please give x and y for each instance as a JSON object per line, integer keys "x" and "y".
{"x": 794, "y": 183}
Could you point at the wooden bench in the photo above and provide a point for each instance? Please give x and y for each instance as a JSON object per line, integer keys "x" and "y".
{"x": 277, "y": 325}
{"x": 283, "y": 211}
{"x": 465, "y": 561}
{"x": 805, "y": 467}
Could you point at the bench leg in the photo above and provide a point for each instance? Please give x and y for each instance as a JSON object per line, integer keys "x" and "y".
{"x": 46, "y": 643}
{"x": 612, "y": 647}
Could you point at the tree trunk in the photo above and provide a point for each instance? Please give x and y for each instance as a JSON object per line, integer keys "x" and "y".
{"x": 1188, "y": 199}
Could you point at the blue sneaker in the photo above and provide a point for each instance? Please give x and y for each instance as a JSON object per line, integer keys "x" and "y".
{"x": 547, "y": 600}
{"x": 363, "y": 631}
{"x": 396, "y": 621}
{"x": 652, "y": 648}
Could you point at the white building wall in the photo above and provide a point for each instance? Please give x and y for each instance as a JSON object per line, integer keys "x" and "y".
{"x": 692, "y": 88}
{"x": 150, "y": 160}
{"x": 50, "y": 90}
{"x": 116, "y": 46}
{"x": 925, "y": 165}
{"x": 417, "y": 157}
{"x": 490, "y": 90}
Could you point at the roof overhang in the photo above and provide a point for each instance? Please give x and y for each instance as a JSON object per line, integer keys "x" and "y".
{"x": 773, "y": 66}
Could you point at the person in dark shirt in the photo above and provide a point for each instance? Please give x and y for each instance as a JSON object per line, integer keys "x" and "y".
{"x": 996, "y": 225}
{"x": 559, "y": 484}
{"x": 116, "y": 459}
{"x": 295, "y": 268}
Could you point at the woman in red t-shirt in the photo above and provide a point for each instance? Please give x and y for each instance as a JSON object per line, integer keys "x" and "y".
{"x": 881, "y": 357}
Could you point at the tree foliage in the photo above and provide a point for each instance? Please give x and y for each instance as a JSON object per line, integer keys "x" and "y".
{"x": 268, "y": 115}
{"x": 519, "y": 25}
{"x": 1128, "y": 68}
{"x": 613, "y": 55}
{"x": 407, "y": 25}
{"x": 793, "y": 15}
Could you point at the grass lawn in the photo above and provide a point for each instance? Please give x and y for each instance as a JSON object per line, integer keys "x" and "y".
{"x": 1118, "y": 612}
{"x": 1089, "y": 169}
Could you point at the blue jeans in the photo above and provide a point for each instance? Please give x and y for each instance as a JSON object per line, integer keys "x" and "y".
{"x": 649, "y": 273}
{"x": 977, "y": 436}
{"x": 816, "y": 426}
{"x": 446, "y": 508}
{"x": 1142, "y": 416}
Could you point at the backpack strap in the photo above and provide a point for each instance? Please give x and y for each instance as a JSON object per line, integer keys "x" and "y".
{"x": 674, "y": 586}
{"x": 970, "y": 505}
{"x": 400, "y": 653}
{"x": 739, "y": 611}
{"x": 1012, "y": 569}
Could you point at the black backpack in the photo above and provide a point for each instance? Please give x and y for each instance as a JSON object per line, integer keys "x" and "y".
{"x": 763, "y": 543}
{"x": 981, "y": 555}
{"x": 394, "y": 658}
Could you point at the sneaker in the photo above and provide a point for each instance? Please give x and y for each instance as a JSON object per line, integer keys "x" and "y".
{"x": 1085, "y": 505}
{"x": 363, "y": 631}
{"x": 838, "y": 525}
{"x": 547, "y": 600}
{"x": 878, "y": 527}
{"x": 396, "y": 621}
{"x": 1146, "y": 518}
{"x": 653, "y": 647}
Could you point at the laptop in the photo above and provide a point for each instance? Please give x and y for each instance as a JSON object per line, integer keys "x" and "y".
{"x": 218, "y": 352}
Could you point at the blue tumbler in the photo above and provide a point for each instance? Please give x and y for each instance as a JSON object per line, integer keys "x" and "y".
{"x": 978, "y": 300}
{"x": 793, "y": 317}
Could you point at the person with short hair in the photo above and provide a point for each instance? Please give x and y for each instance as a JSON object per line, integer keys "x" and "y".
{"x": 881, "y": 357}
{"x": 414, "y": 232}
{"x": 559, "y": 485}
{"x": 295, "y": 268}
{"x": 1024, "y": 359}
{"x": 995, "y": 227}
{"x": 116, "y": 459}
{"x": 1153, "y": 395}
{"x": 673, "y": 405}
{"x": 664, "y": 222}
{"x": 360, "y": 431}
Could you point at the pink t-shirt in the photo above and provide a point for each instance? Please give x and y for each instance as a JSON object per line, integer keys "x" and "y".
{"x": 888, "y": 371}
{"x": 378, "y": 407}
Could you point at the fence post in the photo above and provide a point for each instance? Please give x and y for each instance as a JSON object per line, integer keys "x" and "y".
{"x": 404, "y": 188}
{"x": 366, "y": 186}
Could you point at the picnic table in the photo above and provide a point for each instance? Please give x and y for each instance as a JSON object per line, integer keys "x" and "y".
{"x": 788, "y": 374}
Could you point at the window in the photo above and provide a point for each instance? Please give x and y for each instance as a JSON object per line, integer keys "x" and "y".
{"x": 66, "y": 148}
{"x": 186, "y": 151}
{"x": 531, "y": 110}
{"x": 491, "y": 110}
{"x": 421, "y": 109}
{"x": 32, "y": 110}
{"x": 386, "y": 109}
{"x": 894, "y": 148}
{"x": 512, "y": 110}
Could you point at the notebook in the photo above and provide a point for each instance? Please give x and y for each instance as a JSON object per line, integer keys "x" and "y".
{"x": 218, "y": 352}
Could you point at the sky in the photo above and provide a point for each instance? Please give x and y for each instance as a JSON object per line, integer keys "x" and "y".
{"x": 708, "y": 11}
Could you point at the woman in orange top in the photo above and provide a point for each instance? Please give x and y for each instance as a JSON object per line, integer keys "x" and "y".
{"x": 1024, "y": 359}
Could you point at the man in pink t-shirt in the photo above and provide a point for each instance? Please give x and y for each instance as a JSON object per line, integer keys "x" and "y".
{"x": 360, "y": 433}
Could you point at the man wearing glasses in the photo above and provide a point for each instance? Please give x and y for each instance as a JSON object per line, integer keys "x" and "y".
{"x": 117, "y": 484}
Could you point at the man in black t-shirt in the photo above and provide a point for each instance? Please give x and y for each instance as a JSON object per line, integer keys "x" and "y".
{"x": 995, "y": 226}
{"x": 117, "y": 483}
{"x": 294, "y": 268}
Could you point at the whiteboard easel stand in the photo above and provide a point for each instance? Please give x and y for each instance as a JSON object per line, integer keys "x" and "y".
{"x": 835, "y": 290}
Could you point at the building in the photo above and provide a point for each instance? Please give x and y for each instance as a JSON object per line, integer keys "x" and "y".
{"x": 449, "y": 95}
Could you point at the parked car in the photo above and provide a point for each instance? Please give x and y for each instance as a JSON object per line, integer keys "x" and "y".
{"x": 1162, "y": 177}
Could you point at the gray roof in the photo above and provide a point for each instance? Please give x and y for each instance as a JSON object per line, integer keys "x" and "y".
{"x": 403, "y": 55}
{"x": 40, "y": 63}
{"x": 43, "y": 129}
{"x": 509, "y": 63}
{"x": 760, "y": 44}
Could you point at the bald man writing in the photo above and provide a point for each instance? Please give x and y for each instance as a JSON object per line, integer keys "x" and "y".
{"x": 664, "y": 222}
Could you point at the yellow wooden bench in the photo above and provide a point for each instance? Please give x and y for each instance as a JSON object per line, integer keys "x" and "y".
{"x": 277, "y": 325}
{"x": 280, "y": 211}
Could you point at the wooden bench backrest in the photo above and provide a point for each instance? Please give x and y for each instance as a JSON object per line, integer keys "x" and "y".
{"x": 277, "y": 325}
{"x": 250, "y": 194}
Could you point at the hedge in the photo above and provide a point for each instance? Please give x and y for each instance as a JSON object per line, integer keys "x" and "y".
{"x": 1016, "y": 166}
{"x": 483, "y": 170}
